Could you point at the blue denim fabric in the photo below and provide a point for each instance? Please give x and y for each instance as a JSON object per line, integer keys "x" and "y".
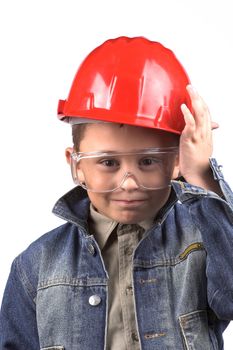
{"x": 182, "y": 278}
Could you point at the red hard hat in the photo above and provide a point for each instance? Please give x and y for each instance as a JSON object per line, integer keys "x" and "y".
{"x": 130, "y": 81}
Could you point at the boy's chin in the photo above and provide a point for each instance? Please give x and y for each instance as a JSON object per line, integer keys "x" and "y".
{"x": 129, "y": 218}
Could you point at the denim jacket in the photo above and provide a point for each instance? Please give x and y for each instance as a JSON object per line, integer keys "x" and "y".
{"x": 56, "y": 294}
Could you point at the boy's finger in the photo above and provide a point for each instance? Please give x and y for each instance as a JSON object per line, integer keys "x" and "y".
{"x": 190, "y": 124}
{"x": 201, "y": 111}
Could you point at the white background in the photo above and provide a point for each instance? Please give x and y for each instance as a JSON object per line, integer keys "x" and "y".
{"x": 42, "y": 44}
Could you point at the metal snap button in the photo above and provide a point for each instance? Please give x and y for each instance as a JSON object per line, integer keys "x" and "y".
{"x": 94, "y": 300}
{"x": 91, "y": 248}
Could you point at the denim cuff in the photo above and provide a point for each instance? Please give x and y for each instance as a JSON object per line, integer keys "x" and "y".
{"x": 218, "y": 176}
{"x": 217, "y": 172}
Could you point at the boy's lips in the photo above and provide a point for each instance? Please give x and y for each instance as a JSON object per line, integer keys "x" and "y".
{"x": 129, "y": 199}
{"x": 130, "y": 202}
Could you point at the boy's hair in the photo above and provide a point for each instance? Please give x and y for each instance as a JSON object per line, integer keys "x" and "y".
{"x": 78, "y": 131}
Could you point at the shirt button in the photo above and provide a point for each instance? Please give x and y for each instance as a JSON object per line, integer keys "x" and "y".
{"x": 134, "y": 336}
{"x": 128, "y": 251}
{"x": 94, "y": 300}
{"x": 129, "y": 290}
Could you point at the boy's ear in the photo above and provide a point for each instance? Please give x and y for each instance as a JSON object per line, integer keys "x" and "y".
{"x": 68, "y": 152}
{"x": 176, "y": 170}
{"x": 79, "y": 173}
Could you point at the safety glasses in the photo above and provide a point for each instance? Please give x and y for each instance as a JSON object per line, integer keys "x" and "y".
{"x": 102, "y": 172}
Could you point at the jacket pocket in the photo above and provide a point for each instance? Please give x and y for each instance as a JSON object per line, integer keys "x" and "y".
{"x": 54, "y": 348}
{"x": 195, "y": 330}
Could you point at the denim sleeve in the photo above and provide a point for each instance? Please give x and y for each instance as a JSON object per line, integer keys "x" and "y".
{"x": 214, "y": 218}
{"x": 18, "y": 327}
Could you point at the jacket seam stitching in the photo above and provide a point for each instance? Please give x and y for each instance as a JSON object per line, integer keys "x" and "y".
{"x": 54, "y": 284}
{"x": 25, "y": 281}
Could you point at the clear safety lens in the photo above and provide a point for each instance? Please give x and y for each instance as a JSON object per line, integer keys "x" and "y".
{"x": 151, "y": 169}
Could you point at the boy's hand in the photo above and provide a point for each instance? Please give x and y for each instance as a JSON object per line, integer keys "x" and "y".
{"x": 196, "y": 144}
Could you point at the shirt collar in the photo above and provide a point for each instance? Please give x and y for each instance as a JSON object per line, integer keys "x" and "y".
{"x": 104, "y": 226}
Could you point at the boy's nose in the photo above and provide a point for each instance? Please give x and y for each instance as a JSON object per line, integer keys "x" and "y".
{"x": 129, "y": 183}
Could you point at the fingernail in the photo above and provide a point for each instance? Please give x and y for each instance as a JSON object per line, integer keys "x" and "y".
{"x": 214, "y": 125}
{"x": 184, "y": 108}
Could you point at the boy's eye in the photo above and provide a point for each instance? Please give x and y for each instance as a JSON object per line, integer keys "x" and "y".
{"x": 150, "y": 161}
{"x": 109, "y": 163}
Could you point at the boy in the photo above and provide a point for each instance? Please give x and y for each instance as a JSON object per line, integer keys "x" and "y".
{"x": 143, "y": 262}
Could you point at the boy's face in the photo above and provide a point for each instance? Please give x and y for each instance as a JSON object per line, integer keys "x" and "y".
{"x": 130, "y": 203}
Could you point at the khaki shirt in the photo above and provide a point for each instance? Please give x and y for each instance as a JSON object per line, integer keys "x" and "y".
{"x": 117, "y": 243}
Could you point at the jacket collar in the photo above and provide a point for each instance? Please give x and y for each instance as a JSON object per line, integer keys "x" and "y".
{"x": 74, "y": 206}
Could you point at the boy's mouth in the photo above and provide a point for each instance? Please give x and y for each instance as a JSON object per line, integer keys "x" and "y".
{"x": 129, "y": 199}
{"x": 129, "y": 202}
